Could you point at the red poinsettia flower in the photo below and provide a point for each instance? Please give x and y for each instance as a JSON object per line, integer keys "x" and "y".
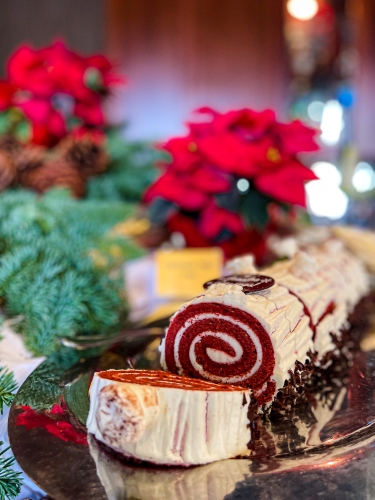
{"x": 56, "y": 69}
{"x": 49, "y": 70}
{"x": 295, "y": 137}
{"x": 285, "y": 182}
{"x": 184, "y": 153}
{"x": 220, "y": 150}
{"x": 28, "y": 71}
{"x": 245, "y": 123}
{"x": 191, "y": 190}
{"x": 90, "y": 111}
{"x": 249, "y": 240}
{"x": 7, "y": 92}
{"x": 215, "y": 219}
{"x": 170, "y": 188}
{"x": 48, "y": 125}
{"x": 231, "y": 154}
{"x": 187, "y": 226}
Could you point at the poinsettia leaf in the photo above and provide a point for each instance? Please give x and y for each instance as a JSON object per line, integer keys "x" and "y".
{"x": 22, "y": 131}
{"x": 253, "y": 206}
{"x": 160, "y": 210}
{"x": 93, "y": 79}
{"x": 4, "y": 123}
{"x": 229, "y": 200}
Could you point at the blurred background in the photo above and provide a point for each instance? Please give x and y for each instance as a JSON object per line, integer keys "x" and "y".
{"x": 307, "y": 59}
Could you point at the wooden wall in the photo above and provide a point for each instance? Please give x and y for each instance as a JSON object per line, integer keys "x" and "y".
{"x": 181, "y": 54}
{"x": 80, "y": 22}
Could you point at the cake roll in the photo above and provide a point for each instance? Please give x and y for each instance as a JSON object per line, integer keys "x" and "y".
{"x": 244, "y": 330}
{"x": 166, "y": 419}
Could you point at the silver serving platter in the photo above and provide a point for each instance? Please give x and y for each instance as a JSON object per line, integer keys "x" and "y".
{"x": 323, "y": 449}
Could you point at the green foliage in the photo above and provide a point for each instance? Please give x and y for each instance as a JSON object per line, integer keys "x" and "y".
{"x": 131, "y": 171}
{"x": 7, "y": 388}
{"x": 253, "y": 207}
{"x": 47, "y": 273}
{"x": 42, "y": 390}
{"x": 10, "y": 482}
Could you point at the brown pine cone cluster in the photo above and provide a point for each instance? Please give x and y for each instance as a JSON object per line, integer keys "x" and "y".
{"x": 68, "y": 165}
{"x": 86, "y": 156}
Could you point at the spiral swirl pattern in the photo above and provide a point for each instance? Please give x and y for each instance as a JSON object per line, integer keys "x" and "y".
{"x": 221, "y": 344}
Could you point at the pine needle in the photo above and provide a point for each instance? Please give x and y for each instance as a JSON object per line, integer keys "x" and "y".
{"x": 7, "y": 388}
{"x": 10, "y": 481}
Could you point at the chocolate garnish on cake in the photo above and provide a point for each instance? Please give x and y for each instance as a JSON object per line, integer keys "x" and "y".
{"x": 251, "y": 283}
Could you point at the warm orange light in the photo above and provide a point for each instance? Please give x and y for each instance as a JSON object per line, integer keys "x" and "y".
{"x": 332, "y": 463}
{"x": 302, "y": 9}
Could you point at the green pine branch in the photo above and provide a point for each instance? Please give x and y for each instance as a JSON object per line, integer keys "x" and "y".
{"x": 48, "y": 273}
{"x": 10, "y": 481}
{"x": 7, "y": 388}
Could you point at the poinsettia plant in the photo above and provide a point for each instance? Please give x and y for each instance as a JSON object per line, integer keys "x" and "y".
{"x": 52, "y": 124}
{"x": 226, "y": 172}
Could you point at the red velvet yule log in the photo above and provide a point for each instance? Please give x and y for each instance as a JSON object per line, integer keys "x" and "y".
{"x": 167, "y": 419}
{"x": 244, "y": 330}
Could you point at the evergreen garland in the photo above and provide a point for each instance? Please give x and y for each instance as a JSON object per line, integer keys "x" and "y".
{"x": 49, "y": 275}
{"x": 10, "y": 482}
{"x": 7, "y": 388}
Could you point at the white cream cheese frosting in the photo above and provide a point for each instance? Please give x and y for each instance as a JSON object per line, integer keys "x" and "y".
{"x": 300, "y": 276}
{"x": 241, "y": 265}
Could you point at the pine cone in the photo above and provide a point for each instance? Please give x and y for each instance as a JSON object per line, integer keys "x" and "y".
{"x": 88, "y": 157}
{"x": 56, "y": 173}
{"x": 9, "y": 144}
{"x": 29, "y": 157}
{"x": 7, "y": 170}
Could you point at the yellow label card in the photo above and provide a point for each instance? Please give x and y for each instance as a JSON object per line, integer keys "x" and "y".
{"x": 181, "y": 273}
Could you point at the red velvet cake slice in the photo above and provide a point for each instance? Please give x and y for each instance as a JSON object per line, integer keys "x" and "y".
{"x": 167, "y": 419}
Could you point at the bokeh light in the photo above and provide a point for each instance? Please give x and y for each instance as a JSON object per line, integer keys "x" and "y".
{"x": 332, "y": 122}
{"x": 302, "y": 9}
{"x": 327, "y": 172}
{"x": 243, "y": 185}
{"x": 364, "y": 177}
{"x": 315, "y": 110}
